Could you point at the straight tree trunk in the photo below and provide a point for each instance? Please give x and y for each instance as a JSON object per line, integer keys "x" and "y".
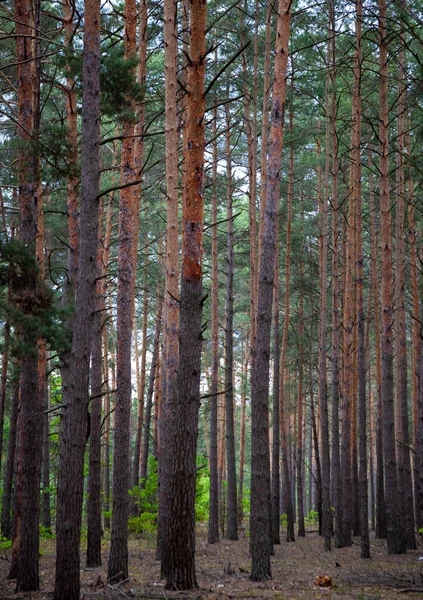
{"x": 46, "y": 497}
{"x": 395, "y": 524}
{"x": 74, "y": 419}
{"x": 232, "y": 519}
{"x": 260, "y": 467}
{"x": 27, "y": 16}
{"x": 180, "y": 568}
{"x": 323, "y": 395}
{"x": 213, "y": 533}
{"x": 127, "y": 255}
{"x": 380, "y": 487}
{"x": 401, "y": 375}
{"x": 171, "y": 307}
{"x": 150, "y": 394}
{"x": 94, "y": 473}
{"x": 242, "y": 432}
{"x": 286, "y": 479}
{"x": 276, "y": 446}
{"x": 300, "y": 444}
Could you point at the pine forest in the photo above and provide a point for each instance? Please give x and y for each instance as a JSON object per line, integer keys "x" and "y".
{"x": 211, "y": 310}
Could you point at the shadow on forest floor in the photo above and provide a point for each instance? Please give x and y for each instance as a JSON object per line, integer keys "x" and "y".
{"x": 223, "y": 573}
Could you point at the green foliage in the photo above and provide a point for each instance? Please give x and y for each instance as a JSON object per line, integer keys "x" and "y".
{"x": 202, "y": 496}
{"x": 118, "y": 84}
{"x": 145, "y": 499}
{"x": 312, "y": 518}
{"x": 46, "y": 534}
{"x": 28, "y": 302}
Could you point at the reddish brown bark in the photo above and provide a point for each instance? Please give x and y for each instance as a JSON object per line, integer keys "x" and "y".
{"x": 180, "y": 567}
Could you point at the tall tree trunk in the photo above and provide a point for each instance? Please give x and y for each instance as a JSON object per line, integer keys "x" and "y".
{"x": 395, "y": 525}
{"x": 46, "y": 497}
{"x": 260, "y": 467}
{"x": 300, "y": 444}
{"x": 96, "y": 376}
{"x": 213, "y": 533}
{"x": 286, "y": 480}
{"x": 401, "y": 375}
{"x": 74, "y": 419}
{"x": 335, "y": 454}
{"x": 127, "y": 254}
{"x": 415, "y": 329}
{"x": 232, "y": 519}
{"x": 180, "y": 569}
{"x": 276, "y": 446}
{"x": 380, "y": 487}
{"x": 323, "y": 394}
{"x": 171, "y": 308}
{"x": 27, "y": 18}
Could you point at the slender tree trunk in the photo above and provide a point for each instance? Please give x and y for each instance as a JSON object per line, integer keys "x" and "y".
{"x": 213, "y": 534}
{"x": 323, "y": 396}
{"x": 380, "y": 487}
{"x": 74, "y": 419}
{"x": 127, "y": 255}
{"x": 107, "y": 425}
{"x": 260, "y": 467}
{"x": 150, "y": 394}
{"x": 300, "y": 444}
{"x": 395, "y": 524}
{"x": 401, "y": 375}
{"x": 46, "y": 497}
{"x": 232, "y": 519}
{"x": 180, "y": 569}
{"x": 286, "y": 480}
{"x": 335, "y": 454}
{"x": 171, "y": 308}
{"x": 242, "y": 431}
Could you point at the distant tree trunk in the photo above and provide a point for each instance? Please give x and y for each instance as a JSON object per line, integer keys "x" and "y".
{"x": 213, "y": 533}
{"x": 380, "y": 488}
{"x": 4, "y": 367}
{"x": 260, "y": 467}
{"x": 127, "y": 256}
{"x": 6, "y": 521}
{"x": 335, "y": 454}
{"x": 395, "y": 523}
{"x": 300, "y": 444}
{"x": 323, "y": 396}
{"x": 180, "y": 568}
{"x": 46, "y": 497}
{"x": 107, "y": 425}
{"x": 232, "y": 519}
{"x": 242, "y": 431}
{"x": 150, "y": 394}
{"x": 74, "y": 419}
{"x": 171, "y": 308}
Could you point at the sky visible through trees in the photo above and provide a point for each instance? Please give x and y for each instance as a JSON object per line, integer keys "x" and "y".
{"x": 210, "y": 279}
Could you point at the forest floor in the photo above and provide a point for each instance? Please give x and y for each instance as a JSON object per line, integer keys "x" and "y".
{"x": 223, "y": 573}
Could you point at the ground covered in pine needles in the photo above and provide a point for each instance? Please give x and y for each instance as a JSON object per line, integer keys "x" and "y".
{"x": 223, "y": 573}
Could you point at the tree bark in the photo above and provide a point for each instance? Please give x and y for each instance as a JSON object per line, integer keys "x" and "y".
{"x": 213, "y": 532}
{"x": 75, "y": 396}
{"x": 6, "y": 521}
{"x": 395, "y": 525}
{"x": 180, "y": 569}
{"x": 260, "y": 467}
{"x": 232, "y": 519}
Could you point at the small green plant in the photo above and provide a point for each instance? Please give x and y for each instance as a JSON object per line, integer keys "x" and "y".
{"x": 313, "y": 518}
{"x": 284, "y": 521}
{"x": 46, "y": 533}
{"x": 145, "y": 500}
